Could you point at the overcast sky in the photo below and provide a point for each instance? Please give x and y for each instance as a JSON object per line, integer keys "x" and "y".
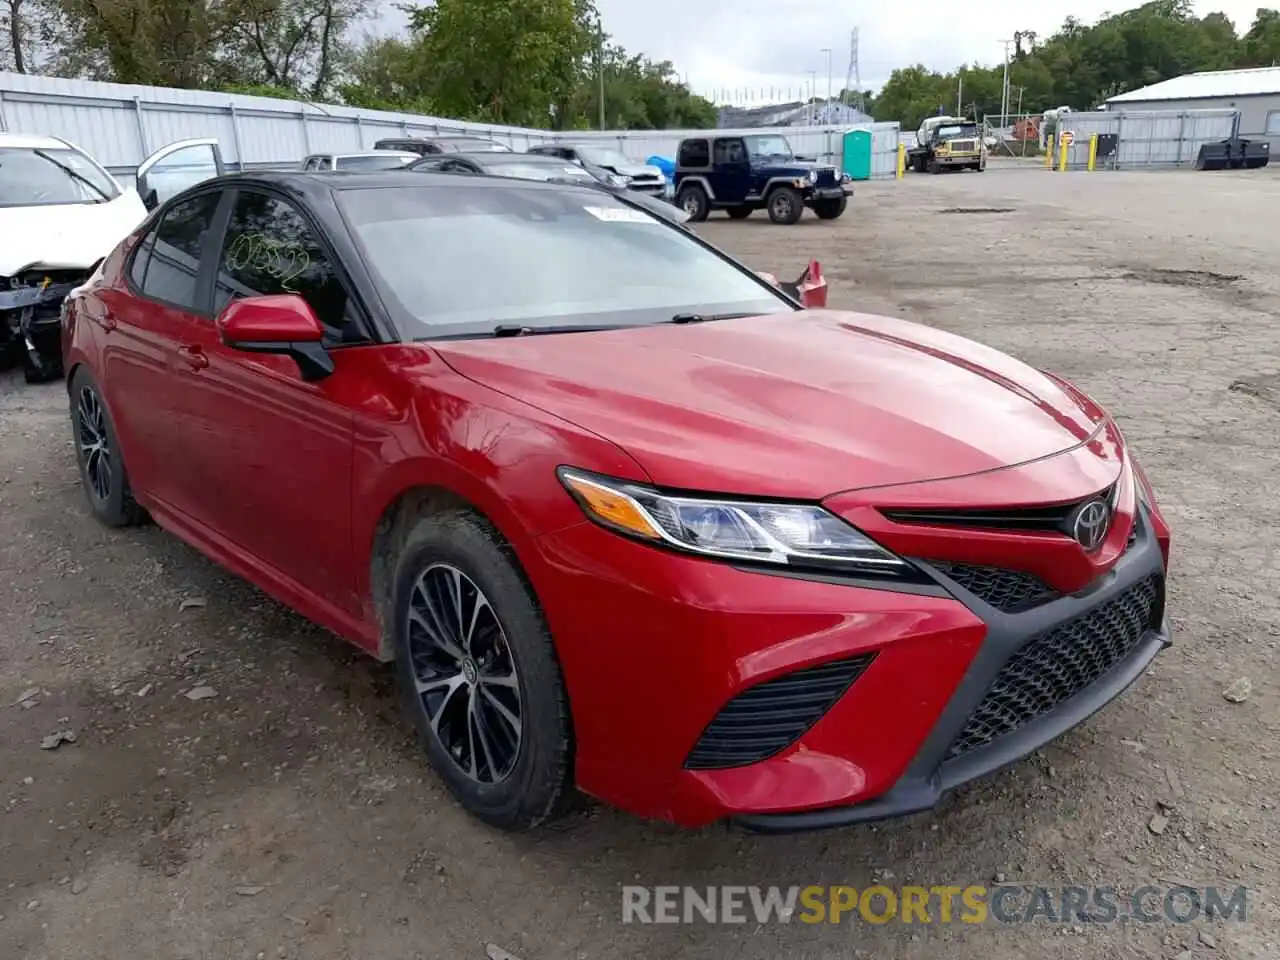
{"x": 762, "y": 44}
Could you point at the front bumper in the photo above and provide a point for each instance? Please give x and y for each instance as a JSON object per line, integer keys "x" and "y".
{"x": 957, "y": 159}
{"x": 655, "y": 645}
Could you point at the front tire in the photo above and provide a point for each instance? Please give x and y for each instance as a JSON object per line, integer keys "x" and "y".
{"x": 479, "y": 674}
{"x": 785, "y": 205}
{"x": 102, "y": 470}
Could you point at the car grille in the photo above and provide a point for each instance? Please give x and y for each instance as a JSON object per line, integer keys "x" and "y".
{"x": 1010, "y": 591}
{"x": 648, "y": 184}
{"x": 962, "y": 146}
{"x": 1054, "y": 517}
{"x": 826, "y": 177}
{"x": 1060, "y": 663}
{"x": 769, "y": 717}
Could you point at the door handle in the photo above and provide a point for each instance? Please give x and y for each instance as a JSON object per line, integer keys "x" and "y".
{"x": 194, "y": 357}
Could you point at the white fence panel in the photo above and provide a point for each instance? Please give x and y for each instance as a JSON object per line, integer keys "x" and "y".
{"x": 121, "y": 123}
{"x": 1148, "y": 138}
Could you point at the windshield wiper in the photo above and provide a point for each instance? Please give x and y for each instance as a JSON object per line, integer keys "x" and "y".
{"x": 516, "y": 330}
{"x": 78, "y": 176}
{"x": 707, "y": 317}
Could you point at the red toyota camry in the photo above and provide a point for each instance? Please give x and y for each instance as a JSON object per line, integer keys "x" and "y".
{"x": 626, "y": 517}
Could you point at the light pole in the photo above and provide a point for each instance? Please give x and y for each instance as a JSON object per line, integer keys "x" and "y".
{"x": 827, "y": 51}
{"x": 813, "y": 85}
{"x": 1004, "y": 88}
{"x": 600, "y": 61}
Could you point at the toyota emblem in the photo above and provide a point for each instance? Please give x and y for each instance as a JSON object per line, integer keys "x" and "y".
{"x": 1091, "y": 523}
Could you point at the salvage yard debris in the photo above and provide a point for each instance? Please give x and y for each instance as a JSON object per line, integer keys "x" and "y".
{"x": 55, "y": 740}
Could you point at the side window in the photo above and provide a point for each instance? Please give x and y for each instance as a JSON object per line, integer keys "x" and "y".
{"x": 324, "y": 163}
{"x": 271, "y": 249}
{"x": 1273, "y": 123}
{"x": 694, "y": 153}
{"x": 138, "y": 269}
{"x": 729, "y": 151}
{"x": 174, "y": 263}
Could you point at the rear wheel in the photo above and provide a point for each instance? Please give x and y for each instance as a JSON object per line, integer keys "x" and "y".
{"x": 479, "y": 674}
{"x": 830, "y": 209}
{"x": 102, "y": 472}
{"x": 738, "y": 213}
{"x": 785, "y": 205}
{"x": 693, "y": 200}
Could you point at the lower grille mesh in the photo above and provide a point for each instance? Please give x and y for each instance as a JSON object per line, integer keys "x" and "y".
{"x": 1060, "y": 663}
{"x": 768, "y": 718}
{"x": 1007, "y": 590}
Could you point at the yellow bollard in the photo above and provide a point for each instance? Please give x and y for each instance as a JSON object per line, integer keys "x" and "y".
{"x": 902, "y": 160}
{"x": 1048, "y": 152}
{"x": 1064, "y": 146}
{"x": 1093, "y": 152}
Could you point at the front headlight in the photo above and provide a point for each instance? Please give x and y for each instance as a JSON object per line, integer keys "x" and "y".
{"x": 813, "y": 176}
{"x": 617, "y": 180}
{"x": 801, "y": 536}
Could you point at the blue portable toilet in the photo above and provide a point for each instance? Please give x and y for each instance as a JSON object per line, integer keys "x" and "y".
{"x": 857, "y": 154}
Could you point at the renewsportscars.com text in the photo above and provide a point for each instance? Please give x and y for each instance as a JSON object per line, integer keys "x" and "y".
{"x": 973, "y": 904}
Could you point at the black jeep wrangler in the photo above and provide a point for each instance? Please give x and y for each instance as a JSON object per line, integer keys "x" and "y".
{"x": 758, "y": 171}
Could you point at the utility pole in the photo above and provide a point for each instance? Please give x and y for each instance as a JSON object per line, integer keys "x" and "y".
{"x": 1004, "y": 89}
{"x": 960, "y": 95}
{"x": 600, "y": 62}
{"x": 827, "y": 51}
{"x": 813, "y": 86}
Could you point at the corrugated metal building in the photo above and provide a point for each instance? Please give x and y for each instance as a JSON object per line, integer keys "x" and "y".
{"x": 1255, "y": 93}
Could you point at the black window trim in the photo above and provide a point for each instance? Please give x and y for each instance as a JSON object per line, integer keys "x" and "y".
{"x": 372, "y": 332}
{"x": 151, "y": 227}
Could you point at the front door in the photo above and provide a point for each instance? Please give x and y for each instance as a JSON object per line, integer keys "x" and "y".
{"x": 270, "y": 453}
{"x": 176, "y": 167}
{"x": 732, "y": 170}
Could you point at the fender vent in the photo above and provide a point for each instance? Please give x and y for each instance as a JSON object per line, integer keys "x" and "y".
{"x": 766, "y": 719}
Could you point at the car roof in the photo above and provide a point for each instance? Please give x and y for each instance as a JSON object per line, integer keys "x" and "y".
{"x": 31, "y": 141}
{"x": 312, "y": 183}
{"x": 367, "y": 153}
{"x": 487, "y": 156}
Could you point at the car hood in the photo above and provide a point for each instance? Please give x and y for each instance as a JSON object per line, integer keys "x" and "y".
{"x": 799, "y": 404}
{"x": 633, "y": 170}
{"x": 65, "y": 235}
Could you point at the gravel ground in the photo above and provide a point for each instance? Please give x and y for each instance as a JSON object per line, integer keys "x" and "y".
{"x": 288, "y": 814}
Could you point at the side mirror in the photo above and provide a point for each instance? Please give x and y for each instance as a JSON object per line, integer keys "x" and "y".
{"x": 281, "y": 323}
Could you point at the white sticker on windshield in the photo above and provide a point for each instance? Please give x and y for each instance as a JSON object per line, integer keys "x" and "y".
{"x": 619, "y": 215}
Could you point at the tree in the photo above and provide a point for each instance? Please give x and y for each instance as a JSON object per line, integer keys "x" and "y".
{"x": 290, "y": 44}
{"x": 506, "y": 61}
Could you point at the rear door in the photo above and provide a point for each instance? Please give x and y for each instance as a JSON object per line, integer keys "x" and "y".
{"x": 144, "y": 326}
{"x": 268, "y": 454}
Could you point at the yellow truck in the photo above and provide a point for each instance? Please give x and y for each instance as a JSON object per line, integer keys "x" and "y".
{"x": 948, "y": 143}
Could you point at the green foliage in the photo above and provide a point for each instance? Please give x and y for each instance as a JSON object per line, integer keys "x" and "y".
{"x": 521, "y": 62}
{"x": 1081, "y": 66}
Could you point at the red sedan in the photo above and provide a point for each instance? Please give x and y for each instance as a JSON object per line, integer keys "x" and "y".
{"x": 626, "y": 517}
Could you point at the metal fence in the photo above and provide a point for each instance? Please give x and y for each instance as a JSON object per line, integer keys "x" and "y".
{"x": 120, "y": 124}
{"x": 1150, "y": 139}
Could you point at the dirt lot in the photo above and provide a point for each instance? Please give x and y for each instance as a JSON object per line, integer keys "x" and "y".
{"x": 289, "y": 815}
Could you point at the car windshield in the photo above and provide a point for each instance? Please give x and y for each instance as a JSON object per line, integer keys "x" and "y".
{"x": 949, "y": 131}
{"x": 530, "y": 168}
{"x": 33, "y": 177}
{"x": 389, "y": 162}
{"x": 603, "y": 156}
{"x": 459, "y": 262}
{"x": 769, "y": 145}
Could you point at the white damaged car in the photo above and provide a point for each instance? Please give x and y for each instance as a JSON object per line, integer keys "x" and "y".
{"x": 61, "y": 213}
